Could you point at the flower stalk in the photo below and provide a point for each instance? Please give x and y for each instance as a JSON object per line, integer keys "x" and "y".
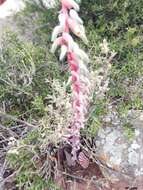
{"x": 69, "y": 21}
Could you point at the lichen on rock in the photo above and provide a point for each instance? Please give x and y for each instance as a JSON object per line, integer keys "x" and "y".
{"x": 122, "y": 157}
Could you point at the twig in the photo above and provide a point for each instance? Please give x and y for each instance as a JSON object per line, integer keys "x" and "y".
{"x": 89, "y": 182}
{"x": 41, "y": 26}
{"x": 74, "y": 176}
{"x": 7, "y": 116}
{"x": 9, "y": 131}
{"x": 112, "y": 57}
{"x": 42, "y": 5}
{"x": 13, "y": 175}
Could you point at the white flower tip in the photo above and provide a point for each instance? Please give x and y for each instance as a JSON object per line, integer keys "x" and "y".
{"x": 63, "y": 52}
{"x": 74, "y": 5}
{"x": 55, "y": 44}
{"x": 53, "y": 48}
{"x": 69, "y": 81}
{"x": 77, "y": 29}
{"x": 62, "y": 19}
{"x": 57, "y": 30}
{"x": 74, "y": 16}
{"x": 84, "y": 39}
{"x": 81, "y": 54}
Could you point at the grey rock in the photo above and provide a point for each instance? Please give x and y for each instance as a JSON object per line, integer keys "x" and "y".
{"x": 122, "y": 158}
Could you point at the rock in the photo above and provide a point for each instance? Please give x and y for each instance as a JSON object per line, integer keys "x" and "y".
{"x": 122, "y": 158}
{"x": 10, "y": 7}
{"x": 46, "y": 3}
{"x": 7, "y": 9}
{"x": 9, "y": 23}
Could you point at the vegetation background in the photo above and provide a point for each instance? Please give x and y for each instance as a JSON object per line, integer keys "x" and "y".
{"x": 33, "y": 107}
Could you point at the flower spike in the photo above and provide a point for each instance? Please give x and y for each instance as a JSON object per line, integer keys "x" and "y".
{"x": 69, "y": 21}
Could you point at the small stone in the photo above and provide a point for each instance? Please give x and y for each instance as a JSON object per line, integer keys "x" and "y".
{"x": 101, "y": 133}
{"x": 98, "y": 143}
{"x": 133, "y": 158}
{"x": 139, "y": 172}
{"x": 137, "y": 132}
{"x": 112, "y": 137}
{"x": 116, "y": 160}
{"x": 141, "y": 117}
{"x": 135, "y": 146}
{"x": 107, "y": 119}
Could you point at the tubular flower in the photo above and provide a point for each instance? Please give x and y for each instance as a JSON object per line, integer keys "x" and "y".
{"x": 77, "y": 59}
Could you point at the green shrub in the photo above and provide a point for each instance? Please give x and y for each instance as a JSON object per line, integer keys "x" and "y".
{"x": 24, "y": 71}
{"x": 120, "y": 22}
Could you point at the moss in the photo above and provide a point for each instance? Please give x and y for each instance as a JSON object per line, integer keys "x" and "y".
{"x": 95, "y": 118}
{"x": 129, "y": 131}
{"x": 94, "y": 127}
